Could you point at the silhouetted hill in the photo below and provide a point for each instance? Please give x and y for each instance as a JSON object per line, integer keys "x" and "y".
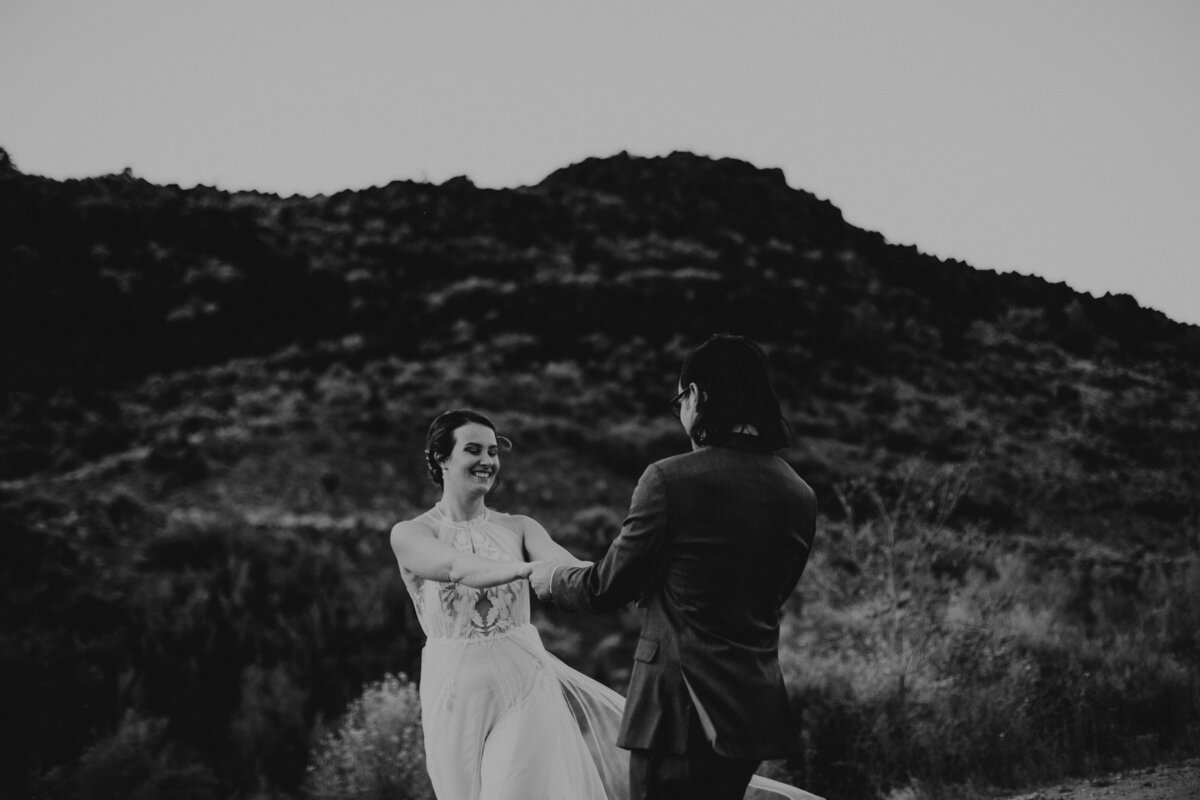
{"x": 606, "y": 264}
{"x": 112, "y": 278}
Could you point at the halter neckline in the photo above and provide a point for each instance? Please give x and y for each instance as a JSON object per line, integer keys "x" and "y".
{"x": 442, "y": 516}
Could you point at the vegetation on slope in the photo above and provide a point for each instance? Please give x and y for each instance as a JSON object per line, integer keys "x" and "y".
{"x": 215, "y": 406}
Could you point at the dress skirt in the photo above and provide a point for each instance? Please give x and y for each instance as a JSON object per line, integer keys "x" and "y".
{"x": 505, "y": 720}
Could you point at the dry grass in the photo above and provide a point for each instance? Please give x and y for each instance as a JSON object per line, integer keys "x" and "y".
{"x": 931, "y": 661}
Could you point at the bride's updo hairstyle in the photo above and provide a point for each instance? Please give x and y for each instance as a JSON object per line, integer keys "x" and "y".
{"x": 439, "y": 442}
{"x": 733, "y": 374}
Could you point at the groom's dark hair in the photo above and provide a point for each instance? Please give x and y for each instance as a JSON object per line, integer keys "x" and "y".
{"x": 737, "y": 388}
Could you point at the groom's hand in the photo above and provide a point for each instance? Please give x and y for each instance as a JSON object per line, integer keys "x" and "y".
{"x": 539, "y": 579}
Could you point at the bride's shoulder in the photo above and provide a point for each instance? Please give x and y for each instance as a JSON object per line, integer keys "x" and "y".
{"x": 511, "y": 521}
{"x": 419, "y": 525}
{"x": 517, "y": 523}
{"x": 522, "y": 525}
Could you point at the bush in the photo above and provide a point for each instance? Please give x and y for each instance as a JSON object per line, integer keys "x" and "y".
{"x": 985, "y": 666}
{"x": 589, "y": 533}
{"x": 376, "y": 752}
{"x": 628, "y": 447}
{"x": 137, "y": 762}
{"x": 270, "y": 730}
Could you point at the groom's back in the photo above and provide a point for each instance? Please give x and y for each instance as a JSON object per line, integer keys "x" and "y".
{"x": 740, "y": 524}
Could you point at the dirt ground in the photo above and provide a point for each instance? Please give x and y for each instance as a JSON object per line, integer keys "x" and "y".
{"x": 1179, "y": 781}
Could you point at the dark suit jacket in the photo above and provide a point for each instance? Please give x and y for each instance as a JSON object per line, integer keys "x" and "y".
{"x": 714, "y": 543}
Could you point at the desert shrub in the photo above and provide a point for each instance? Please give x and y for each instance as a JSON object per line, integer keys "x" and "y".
{"x": 269, "y": 729}
{"x": 932, "y": 656}
{"x": 865, "y": 333}
{"x": 20, "y": 460}
{"x": 138, "y": 762}
{"x": 376, "y": 750}
{"x": 239, "y": 636}
{"x": 629, "y": 446}
{"x": 178, "y": 460}
{"x": 213, "y": 599}
{"x": 589, "y": 533}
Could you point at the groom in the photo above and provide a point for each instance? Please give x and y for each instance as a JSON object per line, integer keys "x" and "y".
{"x": 714, "y": 543}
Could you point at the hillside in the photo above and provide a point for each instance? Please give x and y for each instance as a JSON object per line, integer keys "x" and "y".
{"x": 215, "y": 404}
{"x": 1078, "y": 411}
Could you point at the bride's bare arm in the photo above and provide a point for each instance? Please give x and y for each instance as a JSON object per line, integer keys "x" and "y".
{"x": 418, "y": 550}
{"x": 540, "y": 547}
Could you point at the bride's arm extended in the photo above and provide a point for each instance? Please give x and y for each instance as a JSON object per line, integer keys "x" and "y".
{"x": 418, "y": 550}
{"x": 540, "y": 547}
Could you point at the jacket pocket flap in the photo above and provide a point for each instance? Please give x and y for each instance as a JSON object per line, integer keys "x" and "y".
{"x": 646, "y": 650}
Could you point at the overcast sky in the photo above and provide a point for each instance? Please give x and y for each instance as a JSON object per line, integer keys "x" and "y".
{"x": 1056, "y": 137}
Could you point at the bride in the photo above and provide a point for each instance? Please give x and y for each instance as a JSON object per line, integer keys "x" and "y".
{"x": 503, "y": 719}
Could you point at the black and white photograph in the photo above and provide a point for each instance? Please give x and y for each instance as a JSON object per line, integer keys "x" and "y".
{"x": 529, "y": 400}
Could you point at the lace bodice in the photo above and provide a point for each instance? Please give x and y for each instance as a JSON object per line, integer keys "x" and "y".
{"x": 454, "y": 611}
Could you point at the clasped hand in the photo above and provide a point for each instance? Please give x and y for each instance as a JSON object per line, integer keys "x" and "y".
{"x": 540, "y": 577}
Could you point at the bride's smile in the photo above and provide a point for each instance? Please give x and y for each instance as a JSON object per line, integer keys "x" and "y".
{"x": 475, "y": 459}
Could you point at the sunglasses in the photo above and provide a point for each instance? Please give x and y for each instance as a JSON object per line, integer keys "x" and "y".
{"x": 676, "y": 404}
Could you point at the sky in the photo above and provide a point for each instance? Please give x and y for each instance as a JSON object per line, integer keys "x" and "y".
{"x": 1059, "y": 138}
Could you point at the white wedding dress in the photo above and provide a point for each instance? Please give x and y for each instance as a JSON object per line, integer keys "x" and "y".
{"x": 503, "y": 719}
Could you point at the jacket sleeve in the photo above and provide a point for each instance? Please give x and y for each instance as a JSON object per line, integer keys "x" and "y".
{"x": 634, "y": 563}
{"x": 808, "y": 534}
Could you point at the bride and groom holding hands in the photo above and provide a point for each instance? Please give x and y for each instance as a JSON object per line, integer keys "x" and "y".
{"x": 714, "y": 542}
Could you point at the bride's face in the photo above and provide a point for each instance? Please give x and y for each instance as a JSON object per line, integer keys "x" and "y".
{"x": 475, "y": 459}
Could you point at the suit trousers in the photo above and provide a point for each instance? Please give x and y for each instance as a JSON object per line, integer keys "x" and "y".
{"x": 700, "y": 774}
